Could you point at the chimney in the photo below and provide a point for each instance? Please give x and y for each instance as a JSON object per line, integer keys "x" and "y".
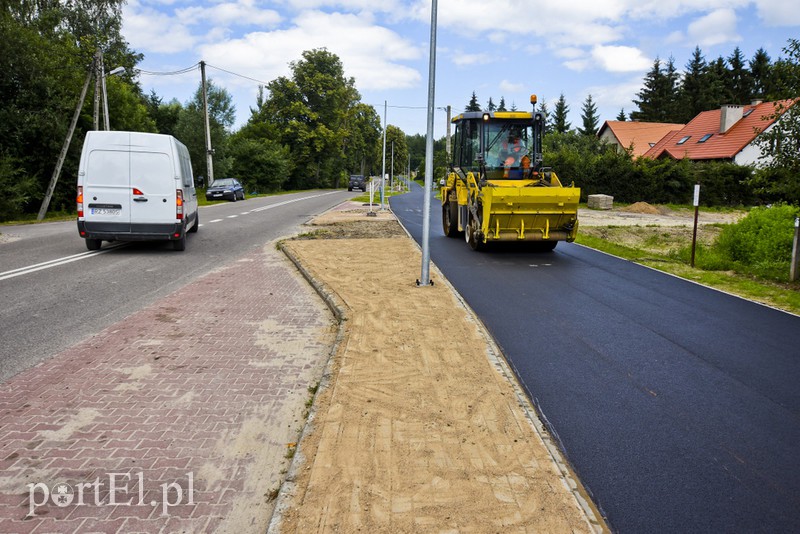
{"x": 730, "y": 115}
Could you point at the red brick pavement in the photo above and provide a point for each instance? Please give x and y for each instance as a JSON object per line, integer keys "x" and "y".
{"x": 198, "y": 395}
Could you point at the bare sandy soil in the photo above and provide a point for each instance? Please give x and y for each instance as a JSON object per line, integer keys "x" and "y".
{"x": 643, "y": 214}
{"x": 420, "y": 426}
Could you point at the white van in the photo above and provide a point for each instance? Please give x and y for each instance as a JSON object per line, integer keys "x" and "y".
{"x": 135, "y": 186}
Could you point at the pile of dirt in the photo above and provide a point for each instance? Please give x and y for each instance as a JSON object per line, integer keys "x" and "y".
{"x": 642, "y": 207}
{"x": 355, "y": 229}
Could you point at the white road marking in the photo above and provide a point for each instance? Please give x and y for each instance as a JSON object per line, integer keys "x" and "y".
{"x": 56, "y": 262}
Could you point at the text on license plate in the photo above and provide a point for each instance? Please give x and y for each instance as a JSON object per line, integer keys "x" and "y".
{"x": 105, "y": 211}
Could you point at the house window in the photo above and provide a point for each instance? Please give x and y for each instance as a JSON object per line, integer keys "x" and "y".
{"x": 705, "y": 138}
{"x": 748, "y": 112}
{"x": 684, "y": 139}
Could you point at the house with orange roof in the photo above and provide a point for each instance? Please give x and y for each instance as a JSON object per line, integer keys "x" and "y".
{"x": 635, "y": 137}
{"x": 725, "y": 134}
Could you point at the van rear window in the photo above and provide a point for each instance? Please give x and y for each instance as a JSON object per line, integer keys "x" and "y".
{"x": 107, "y": 167}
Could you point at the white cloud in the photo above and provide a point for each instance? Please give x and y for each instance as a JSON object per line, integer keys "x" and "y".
{"x": 510, "y": 87}
{"x": 240, "y": 13}
{"x": 462, "y": 59}
{"x": 145, "y": 28}
{"x": 778, "y": 12}
{"x": 620, "y": 58}
{"x": 718, "y": 27}
{"x": 371, "y": 54}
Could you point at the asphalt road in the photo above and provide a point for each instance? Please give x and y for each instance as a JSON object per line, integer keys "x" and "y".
{"x": 54, "y": 292}
{"x": 678, "y": 406}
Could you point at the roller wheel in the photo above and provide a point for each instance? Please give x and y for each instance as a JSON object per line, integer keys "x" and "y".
{"x": 471, "y": 234}
{"x": 450, "y": 219}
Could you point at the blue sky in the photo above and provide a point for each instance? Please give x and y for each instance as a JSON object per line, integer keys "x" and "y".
{"x": 497, "y": 48}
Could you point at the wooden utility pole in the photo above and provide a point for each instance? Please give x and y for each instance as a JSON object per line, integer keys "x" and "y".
{"x": 62, "y": 156}
{"x": 209, "y": 150}
{"x": 98, "y": 64}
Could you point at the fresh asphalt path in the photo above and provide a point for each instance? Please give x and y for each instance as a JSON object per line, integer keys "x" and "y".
{"x": 47, "y": 307}
{"x": 678, "y": 406}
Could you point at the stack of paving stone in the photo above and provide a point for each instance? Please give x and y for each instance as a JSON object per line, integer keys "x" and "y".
{"x": 601, "y": 202}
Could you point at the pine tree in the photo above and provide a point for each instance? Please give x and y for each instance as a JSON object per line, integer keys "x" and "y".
{"x": 719, "y": 92}
{"x": 761, "y": 72}
{"x": 560, "y": 123}
{"x": 589, "y": 117}
{"x": 473, "y": 104}
{"x": 669, "y": 93}
{"x": 694, "y": 93}
{"x": 739, "y": 81}
{"x": 513, "y": 106}
{"x": 548, "y": 122}
{"x": 621, "y": 116}
{"x": 502, "y": 105}
{"x": 490, "y": 105}
{"x": 658, "y": 99}
{"x": 648, "y": 98}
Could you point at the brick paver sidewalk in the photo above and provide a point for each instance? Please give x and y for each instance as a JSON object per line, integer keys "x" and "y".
{"x": 180, "y": 418}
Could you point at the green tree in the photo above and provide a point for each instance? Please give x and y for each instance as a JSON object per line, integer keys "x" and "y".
{"x": 694, "y": 94}
{"x": 548, "y": 120}
{"x": 473, "y": 104}
{"x": 657, "y": 101}
{"x": 780, "y": 145}
{"x": 589, "y": 117}
{"x": 310, "y": 112}
{"x": 739, "y": 79}
{"x": 190, "y": 129}
{"x": 165, "y": 116}
{"x": 560, "y": 123}
{"x": 716, "y": 82}
{"x": 502, "y": 105}
{"x": 396, "y": 137}
{"x": 621, "y": 115}
{"x": 364, "y": 134}
{"x": 45, "y": 55}
{"x": 260, "y": 163}
{"x": 761, "y": 72}
{"x": 490, "y": 106}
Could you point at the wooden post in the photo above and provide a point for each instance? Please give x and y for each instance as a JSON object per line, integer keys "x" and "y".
{"x": 696, "y": 213}
{"x": 795, "y": 253}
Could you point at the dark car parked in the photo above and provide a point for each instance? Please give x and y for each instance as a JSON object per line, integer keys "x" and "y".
{"x": 225, "y": 188}
{"x": 357, "y": 182}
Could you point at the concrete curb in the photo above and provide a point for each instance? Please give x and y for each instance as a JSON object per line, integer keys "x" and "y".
{"x": 339, "y": 310}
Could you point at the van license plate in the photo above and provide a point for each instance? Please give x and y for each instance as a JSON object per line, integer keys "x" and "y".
{"x": 105, "y": 211}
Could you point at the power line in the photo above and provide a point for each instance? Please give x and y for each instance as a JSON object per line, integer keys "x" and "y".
{"x": 237, "y": 74}
{"x": 169, "y": 73}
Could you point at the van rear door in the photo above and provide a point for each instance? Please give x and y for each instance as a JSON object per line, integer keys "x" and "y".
{"x": 106, "y": 190}
{"x": 152, "y": 188}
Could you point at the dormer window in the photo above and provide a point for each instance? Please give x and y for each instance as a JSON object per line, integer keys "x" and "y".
{"x": 684, "y": 139}
{"x": 748, "y": 112}
{"x": 705, "y": 138}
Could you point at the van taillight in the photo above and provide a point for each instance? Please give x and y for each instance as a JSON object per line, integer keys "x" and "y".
{"x": 137, "y": 192}
{"x": 178, "y": 204}
{"x": 80, "y": 201}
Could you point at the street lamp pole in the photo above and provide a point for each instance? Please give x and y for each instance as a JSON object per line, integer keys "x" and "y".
{"x": 425, "y": 278}
{"x": 383, "y": 165}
